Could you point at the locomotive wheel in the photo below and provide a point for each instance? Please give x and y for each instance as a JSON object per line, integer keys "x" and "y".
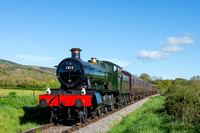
{"x": 106, "y": 110}
{"x": 84, "y": 115}
{"x": 55, "y": 121}
{"x": 112, "y": 107}
{"x": 99, "y": 112}
{"x": 54, "y": 118}
{"x": 94, "y": 114}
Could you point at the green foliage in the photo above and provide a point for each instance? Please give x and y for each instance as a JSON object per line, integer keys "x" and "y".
{"x": 194, "y": 82}
{"x": 183, "y": 101}
{"x": 3, "y": 70}
{"x": 160, "y": 84}
{"x": 196, "y": 78}
{"x": 150, "y": 118}
{"x": 16, "y": 101}
{"x": 12, "y": 94}
{"x": 145, "y": 77}
{"x": 167, "y": 83}
{"x": 163, "y": 85}
{"x": 180, "y": 81}
{"x": 19, "y": 113}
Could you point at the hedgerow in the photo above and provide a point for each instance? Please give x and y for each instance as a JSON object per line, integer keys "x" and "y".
{"x": 184, "y": 103}
{"x": 16, "y": 101}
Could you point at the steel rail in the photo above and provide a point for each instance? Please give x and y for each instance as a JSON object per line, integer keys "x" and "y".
{"x": 40, "y": 128}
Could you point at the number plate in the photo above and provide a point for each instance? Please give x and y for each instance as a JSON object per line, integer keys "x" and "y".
{"x": 69, "y": 67}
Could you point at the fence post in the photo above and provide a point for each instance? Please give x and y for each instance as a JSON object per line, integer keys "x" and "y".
{"x": 33, "y": 93}
{"x": 22, "y": 93}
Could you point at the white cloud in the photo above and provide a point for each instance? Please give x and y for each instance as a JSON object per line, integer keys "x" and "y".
{"x": 168, "y": 47}
{"x": 119, "y": 62}
{"x": 179, "y": 40}
{"x": 173, "y": 44}
{"x": 151, "y": 55}
{"x": 35, "y": 58}
{"x": 172, "y": 48}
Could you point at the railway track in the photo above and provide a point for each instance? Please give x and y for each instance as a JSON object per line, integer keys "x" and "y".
{"x": 71, "y": 127}
{"x": 81, "y": 125}
{"x": 40, "y": 128}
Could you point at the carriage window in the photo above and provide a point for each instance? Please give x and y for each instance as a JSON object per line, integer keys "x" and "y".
{"x": 108, "y": 68}
{"x": 115, "y": 69}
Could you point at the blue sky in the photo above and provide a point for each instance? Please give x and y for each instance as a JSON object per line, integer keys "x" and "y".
{"x": 158, "y": 37}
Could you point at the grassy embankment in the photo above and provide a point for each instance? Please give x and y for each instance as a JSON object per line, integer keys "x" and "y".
{"x": 19, "y": 113}
{"x": 150, "y": 118}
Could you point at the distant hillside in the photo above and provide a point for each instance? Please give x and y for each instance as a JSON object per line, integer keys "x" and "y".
{"x": 9, "y": 65}
{"x": 14, "y": 75}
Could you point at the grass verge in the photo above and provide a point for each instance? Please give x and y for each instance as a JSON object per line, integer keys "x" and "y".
{"x": 149, "y": 118}
{"x": 19, "y": 113}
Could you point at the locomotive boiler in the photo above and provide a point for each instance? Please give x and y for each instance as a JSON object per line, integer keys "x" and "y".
{"x": 91, "y": 88}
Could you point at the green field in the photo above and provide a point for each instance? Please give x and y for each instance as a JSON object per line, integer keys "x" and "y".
{"x": 4, "y": 92}
{"x": 150, "y": 118}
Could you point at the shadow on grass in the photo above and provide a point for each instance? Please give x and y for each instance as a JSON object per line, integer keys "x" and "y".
{"x": 36, "y": 115}
{"x": 41, "y": 116}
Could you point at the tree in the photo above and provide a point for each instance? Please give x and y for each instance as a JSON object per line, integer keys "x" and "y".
{"x": 194, "y": 82}
{"x": 167, "y": 83}
{"x": 180, "y": 81}
{"x": 159, "y": 84}
{"x": 145, "y": 77}
{"x": 195, "y": 78}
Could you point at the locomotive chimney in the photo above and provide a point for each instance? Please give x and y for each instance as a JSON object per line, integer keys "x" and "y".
{"x": 76, "y": 53}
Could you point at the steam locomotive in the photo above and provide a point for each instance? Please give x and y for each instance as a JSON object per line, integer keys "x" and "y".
{"x": 91, "y": 88}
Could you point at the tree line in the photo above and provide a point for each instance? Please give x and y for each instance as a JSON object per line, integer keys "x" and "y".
{"x": 165, "y": 84}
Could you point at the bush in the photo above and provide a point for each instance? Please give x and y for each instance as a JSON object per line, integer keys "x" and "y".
{"x": 12, "y": 94}
{"x": 184, "y": 103}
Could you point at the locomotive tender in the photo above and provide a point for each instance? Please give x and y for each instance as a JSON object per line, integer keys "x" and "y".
{"x": 91, "y": 88}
